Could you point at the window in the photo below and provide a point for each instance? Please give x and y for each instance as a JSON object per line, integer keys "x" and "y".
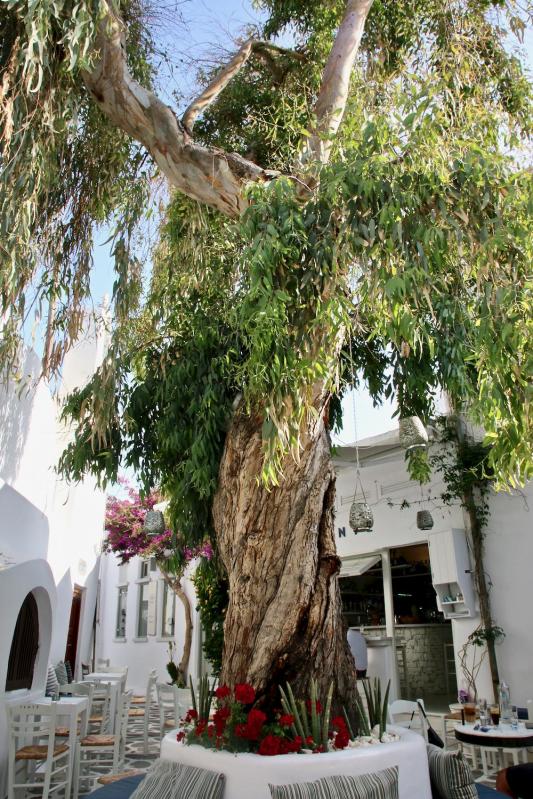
{"x": 147, "y": 566}
{"x": 24, "y": 646}
{"x": 142, "y": 611}
{"x": 167, "y": 612}
{"x": 120, "y": 631}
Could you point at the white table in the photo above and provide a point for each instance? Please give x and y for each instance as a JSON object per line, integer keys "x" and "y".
{"x": 72, "y": 708}
{"x": 499, "y": 740}
{"x": 116, "y": 680}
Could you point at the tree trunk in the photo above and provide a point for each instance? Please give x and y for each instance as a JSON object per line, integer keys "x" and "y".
{"x": 283, "y": 621}
{"x": 175, "y": 584}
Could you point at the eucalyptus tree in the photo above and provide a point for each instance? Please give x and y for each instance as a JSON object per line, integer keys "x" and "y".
{"x": 353, "y": 209}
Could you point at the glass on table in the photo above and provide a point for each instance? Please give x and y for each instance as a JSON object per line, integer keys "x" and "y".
{"x": 484, "y": 717}
{"x": 470, "y": 712}
{"x": 495, "y": 714}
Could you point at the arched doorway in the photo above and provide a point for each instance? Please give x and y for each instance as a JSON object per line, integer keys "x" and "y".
{"x": 24, "y": 646}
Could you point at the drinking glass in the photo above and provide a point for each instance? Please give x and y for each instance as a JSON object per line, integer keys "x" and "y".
{"x": 470, "y": 712}
{"x": 484, "y": 717}
{"x": 495, "y": 714}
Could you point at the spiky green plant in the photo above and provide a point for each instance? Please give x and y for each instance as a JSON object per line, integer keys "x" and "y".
{"x": 308, "y": 722}
{"x": 202, "y": 703}
{"x": 377, "y": 706}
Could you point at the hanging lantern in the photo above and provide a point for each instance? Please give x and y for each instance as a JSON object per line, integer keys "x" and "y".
{"x": 361, "y": 517}
{"x": 424, "y": 520}
{"x": 413, "y": 434}
{"x": 154, "y": 523}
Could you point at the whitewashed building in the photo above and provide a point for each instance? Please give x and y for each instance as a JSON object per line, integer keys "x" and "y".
{"x": 50, "y": 534}
{"x": 392, "y": 575}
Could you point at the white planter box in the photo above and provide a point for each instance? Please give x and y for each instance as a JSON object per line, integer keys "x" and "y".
{"x": 248, "y": 776}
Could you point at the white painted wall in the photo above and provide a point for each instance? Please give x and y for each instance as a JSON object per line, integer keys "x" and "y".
{"x": 508, "y": 557}
{"x": 43, "y": 520}
{"x": 140, "y": 655}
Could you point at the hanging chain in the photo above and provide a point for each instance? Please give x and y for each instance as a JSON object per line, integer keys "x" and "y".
{"x": 357, "y": 463}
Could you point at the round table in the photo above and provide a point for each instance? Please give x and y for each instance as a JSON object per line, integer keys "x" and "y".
{"x": 500, "y": 739}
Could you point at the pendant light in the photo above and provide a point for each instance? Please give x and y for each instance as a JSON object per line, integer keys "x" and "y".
{"x": 424, "y": 520}
{"x": 154, "y": 523}
{"x": 361, "y": 518}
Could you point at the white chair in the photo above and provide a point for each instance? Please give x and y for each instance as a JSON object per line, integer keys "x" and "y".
{"x": 95, "y": 752}
{"x": 147, "y": 702}
{"x": 169, "y": 706}
{"x": 407, "y": 713}
{"x": 100, "y": 712}
{"x": 36, "y": 760}
{"x": 78, "y": 689}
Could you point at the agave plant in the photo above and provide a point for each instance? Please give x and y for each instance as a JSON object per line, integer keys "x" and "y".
{"x": 202, "y": 703}
{"x": 376, "y": 705}
{"x": 307, "y": 720}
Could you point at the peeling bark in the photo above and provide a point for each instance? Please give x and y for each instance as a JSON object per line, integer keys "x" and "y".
{"x": 283, "y": 621}
{"x": 208, "y": 175}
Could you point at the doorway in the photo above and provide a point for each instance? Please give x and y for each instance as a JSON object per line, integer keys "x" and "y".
{"x": 74, "y": 628}
{"x": 390, "y": 594}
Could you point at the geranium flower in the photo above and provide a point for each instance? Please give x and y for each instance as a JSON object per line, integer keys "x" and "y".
{"x": 342, "y": 739}
{"x": 244, "y": 693}
{"x": 286, "y": 720}
{"x": 270, "y": 745}
{"x": 222, "y": 692}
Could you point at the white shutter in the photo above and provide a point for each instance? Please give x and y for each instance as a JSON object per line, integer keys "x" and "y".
{"x": 152, "y": 601}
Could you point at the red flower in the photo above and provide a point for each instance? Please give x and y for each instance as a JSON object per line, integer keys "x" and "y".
{"x": 241, "y": 730}
{"x": 287, "y": 720}
{"x": 270, "y": 745}
{"x": 191, "y": 715}
{"x": 318, "y": 706}
{"x": 339, "y": 723}
{"x": 309, "y": 740}
{"x": 222, "y": 692}
{"x": 341, "y": 739}
{"x": 296, "y": 744}
{"x": 180, "y": 736}
{"x": 244, "y": 693}
{"x": 200, "y": 727}
{"x": 211, "y": 730}
{"x": 222, "y": 713}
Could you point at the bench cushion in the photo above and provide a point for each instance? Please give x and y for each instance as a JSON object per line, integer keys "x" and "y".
{"x": 122, "y": 789}
{"x": 169, "y": 780}
{"x": 379, "y": 785}
{"x": 450, "y": 775}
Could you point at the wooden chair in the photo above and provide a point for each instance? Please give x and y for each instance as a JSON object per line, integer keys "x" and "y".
{"x": 77, "y": 689}
{"x": 42, "y": 762}
{"x": 97, "y": 751}
{"x": 100, "y": 713}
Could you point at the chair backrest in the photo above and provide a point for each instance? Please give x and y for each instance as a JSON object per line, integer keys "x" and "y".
{"x": 31, "y": 724}
{"x": 122, "y": 714}
{"x": 184, "y": 700}
{"x": 168, "y": 702}
{"x": 101, "y": 702}
{"x": 81, "y": 689}
{"x": 407, "y": 713}
{"x": 150, "y": 685}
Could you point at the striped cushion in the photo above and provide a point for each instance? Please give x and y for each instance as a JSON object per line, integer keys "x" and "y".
{"x": 450, "y": 774}
{"x": 52, "y": 684}
{"x": 169, "y": 780}
{"x": 379, "y": 785}
{"x": 61, "y": 673}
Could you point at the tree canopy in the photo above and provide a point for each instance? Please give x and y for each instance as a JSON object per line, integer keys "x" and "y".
{"x": 400, "y": 261}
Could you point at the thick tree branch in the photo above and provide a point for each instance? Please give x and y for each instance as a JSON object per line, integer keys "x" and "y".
{"x": 331, "y": 102}
{"x": 227, "y": 73}
{"x": 208, "y": 175}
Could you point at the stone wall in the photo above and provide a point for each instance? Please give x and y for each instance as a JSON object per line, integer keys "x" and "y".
{"x": 424, "y": 646}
